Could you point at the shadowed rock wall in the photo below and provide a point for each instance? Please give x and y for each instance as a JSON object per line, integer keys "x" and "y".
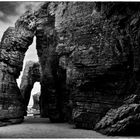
{"x": 45, "y": 45}
{"x": 51, "y": 97}
{"x": 98, "y": 47}
{"x": 90, "y": 57}
{"x": 124, "y": 119}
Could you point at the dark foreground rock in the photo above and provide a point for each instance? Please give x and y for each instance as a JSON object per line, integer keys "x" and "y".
{"x": 89, "y": 56}
{"x": 99, "y": 68}
{"x": 8, "y": 121}
{"x": 98, "y": 46}
{"x": 124, "y": 120}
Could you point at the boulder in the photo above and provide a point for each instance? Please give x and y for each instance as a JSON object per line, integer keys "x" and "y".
{"x": 123, "y": 121}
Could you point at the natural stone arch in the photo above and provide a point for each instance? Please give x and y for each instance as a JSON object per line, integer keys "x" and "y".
{"x": 31, "y": 74}
{"x": 99, "y": 52}
{"x": 14, "y": 44}
{"x": 98, "y": 47}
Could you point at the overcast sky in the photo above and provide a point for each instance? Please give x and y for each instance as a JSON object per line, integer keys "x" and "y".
{"x": 9, "y": 13}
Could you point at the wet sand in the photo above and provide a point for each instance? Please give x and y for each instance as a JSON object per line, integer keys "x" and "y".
{"x": 42, "y": 128}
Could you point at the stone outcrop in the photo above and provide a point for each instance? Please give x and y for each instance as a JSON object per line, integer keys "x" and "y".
{"x": 51, "y": 99}
{"x": 98, "y": 47}
{"x": 91, "y": 64}
{"x": 89, "y": 56}
{"x": 14, "y": 43}
{"x": 31, "y": 74}
{"x": 39, "y": 23}
{"x": 124, "y": 120}
{"x": 36, "y": 102}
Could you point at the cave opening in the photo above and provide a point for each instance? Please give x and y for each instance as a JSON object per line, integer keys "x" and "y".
{"x": 29, "y": 81}
{"x": 33, "y": 108}
{"x": 30, "y": 55}
{"x": 17, "y": 55}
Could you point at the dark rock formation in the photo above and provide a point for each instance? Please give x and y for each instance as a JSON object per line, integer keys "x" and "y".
{"x": 31, "y": 74}
{"x": 51, "y": 98}
{"x": 98, "y": 47}
{"x": 90, "y": 62}
{"x": 124, "y": 120}
{"x": 41, "y": 23}
{"x": 14, "y": 43}
{"x": 36, "y": 103}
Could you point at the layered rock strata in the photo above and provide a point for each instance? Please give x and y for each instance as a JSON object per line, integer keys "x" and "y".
{"x": 14, "y": 43}
{"x": 98, "y": 47}
{"x": 51, "y": 99}
{"x": 89, "y": 56}
{"x": 124, "y": 120}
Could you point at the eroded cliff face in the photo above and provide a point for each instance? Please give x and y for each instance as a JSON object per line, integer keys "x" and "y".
{"x": 90, "y": 57}
{"x": 94, "y": 66}
{"x": 14, "y": 43}
{"x": 124, "y": 120}
{"x": 98, "y": 45}
{"x": 51, "y": 99}
{"x": 31, "y": 74}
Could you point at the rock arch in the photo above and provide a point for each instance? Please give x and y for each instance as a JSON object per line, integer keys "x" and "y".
{"x": 14, "y": 44}
{"x": 90, "y": 49}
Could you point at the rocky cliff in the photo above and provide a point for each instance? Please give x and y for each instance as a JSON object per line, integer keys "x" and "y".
{"x": 51, "y": 99}
{"x": 14, "y": 43}
{"x": 90, "y": 58}
{"x": 98, "y": 45}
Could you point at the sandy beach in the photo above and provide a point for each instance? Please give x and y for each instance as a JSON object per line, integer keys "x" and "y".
{"x": 42, "y": 128}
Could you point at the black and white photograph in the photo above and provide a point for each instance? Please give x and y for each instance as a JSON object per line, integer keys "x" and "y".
{"x": 70, "y": 69}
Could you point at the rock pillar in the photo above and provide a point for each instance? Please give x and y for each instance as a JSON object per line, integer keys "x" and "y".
{"x": 14, "y": 43}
